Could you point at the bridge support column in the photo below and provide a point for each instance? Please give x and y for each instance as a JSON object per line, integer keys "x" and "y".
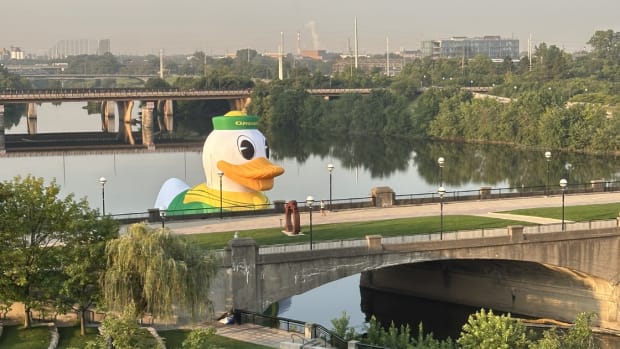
{"x": 2, "y": 136}
{"x": 245, "y": 288}
{"x": 166, "y": 109}
{"x": 107, "y": 116}
{"x": 147, "y": 124}
{"x": 32, "y": 119}
{"x": 239, "y": 103}
{"x": 124, "y": 121}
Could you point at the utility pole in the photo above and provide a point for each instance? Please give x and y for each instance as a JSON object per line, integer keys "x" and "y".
{"x": 281, "y": 53}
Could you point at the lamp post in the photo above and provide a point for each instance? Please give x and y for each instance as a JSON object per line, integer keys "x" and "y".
{"x": 162, "y": 215}
{"x": 548, "y": 158}
{"x": 330, "y": 168}
{"x": 309, "y": 203}
{"x": 441, "y": 192}
{"x": 102, "y": 181}
{"x": 220, "y": 173}
{"x": 440, "y": 162}
{"x": 563, "y": 183}
{"x": 568, "y": 166}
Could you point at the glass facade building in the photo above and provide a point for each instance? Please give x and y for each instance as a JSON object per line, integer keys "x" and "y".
{"x": 493, "y": 47}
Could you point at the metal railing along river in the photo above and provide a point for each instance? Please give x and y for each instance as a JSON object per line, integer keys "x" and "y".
{"x": 277, "y": 206}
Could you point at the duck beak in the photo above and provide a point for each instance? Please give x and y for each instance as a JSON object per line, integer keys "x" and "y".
{"x": 257, "y": 174}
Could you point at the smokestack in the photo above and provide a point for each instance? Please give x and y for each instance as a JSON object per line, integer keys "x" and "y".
{"x": 298, "y": 44}
{"x": 280, "y": 69}
{"x": 356, "y": 51}
{"x": 161, "y": 63}
{"x": 387, "y": 56}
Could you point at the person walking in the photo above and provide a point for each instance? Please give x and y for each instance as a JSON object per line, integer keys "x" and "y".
{"x": 322, "y": 208}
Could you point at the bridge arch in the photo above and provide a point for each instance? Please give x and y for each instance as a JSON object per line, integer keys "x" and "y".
{"x": 255, "y": 279}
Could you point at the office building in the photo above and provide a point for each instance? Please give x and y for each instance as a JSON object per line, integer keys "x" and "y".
{"x": 493, "y": 47}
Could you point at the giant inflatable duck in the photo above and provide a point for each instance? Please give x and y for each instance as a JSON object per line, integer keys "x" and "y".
{"x": 238, "y": 151}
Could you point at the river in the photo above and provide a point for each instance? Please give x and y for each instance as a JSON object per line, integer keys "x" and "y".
{"x": 134, "y": 179}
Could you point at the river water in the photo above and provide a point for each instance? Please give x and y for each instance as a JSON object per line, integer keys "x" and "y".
{"x": 134, "y": 179}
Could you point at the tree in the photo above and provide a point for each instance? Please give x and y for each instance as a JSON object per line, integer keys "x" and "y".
{"x": 37, "y": 230}
{"x": 579, "y": 336}
{"x": 199, "y": 339}
{"x": 485, "y": 330}
{"x": 123, "y": 332}
{"x": 157, "y": 272}
{"x": 84, "y": 263}
{"x": 342, "y": 328}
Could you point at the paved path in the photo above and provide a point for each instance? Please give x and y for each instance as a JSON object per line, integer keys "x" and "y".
{"x": 269, "y": 337}
{"x": 489, "y": 208}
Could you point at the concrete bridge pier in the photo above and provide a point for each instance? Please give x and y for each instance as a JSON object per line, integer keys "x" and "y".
{"x": 32, "y": 119}
{"x": 2, "y": 136}
{"x": 239, "y": 103}
{"x": 147, "y": 124}
{"x": 245, "y": 288}
{"x": 107, "y": 116}
{"x": 124, "y": 121}
{"x": 166, "y": 123}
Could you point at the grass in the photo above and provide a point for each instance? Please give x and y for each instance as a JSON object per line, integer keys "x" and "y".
{"x": 70, "y": 337}
{"x": 574, "y": 213}
{"x": 355, "y": 230}
{"x": 15, "y": 337}
{"x": 174, "y": 339}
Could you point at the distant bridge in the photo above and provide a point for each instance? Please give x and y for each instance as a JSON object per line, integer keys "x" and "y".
{"x": 43, "y": 76}
{"x": 160, "y": 100}
{"x": 86, "y": 94}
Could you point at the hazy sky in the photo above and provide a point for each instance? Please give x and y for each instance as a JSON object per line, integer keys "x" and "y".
{"x": 186, "y": 26}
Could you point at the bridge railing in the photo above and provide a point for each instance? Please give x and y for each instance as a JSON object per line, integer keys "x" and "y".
{"x": 571, "y": 226}
{"x": 323, "y": 245}
{"x": 438, "y": 236}
{"x": 277, "y": 206}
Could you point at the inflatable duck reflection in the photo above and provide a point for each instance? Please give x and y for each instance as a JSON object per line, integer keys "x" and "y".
{"x": 237, "y": 151}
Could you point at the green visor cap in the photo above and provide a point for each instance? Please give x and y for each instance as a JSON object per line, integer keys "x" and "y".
{"x": 248, "y": 122}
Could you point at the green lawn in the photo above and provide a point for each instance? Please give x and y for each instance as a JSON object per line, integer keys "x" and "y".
{"x": 174, "y": 339}
{"x": 15, "y": 337}
{"x": 355, "y": 230}
{"x": 574, "y": 213}
{"x": 70, "y": 337}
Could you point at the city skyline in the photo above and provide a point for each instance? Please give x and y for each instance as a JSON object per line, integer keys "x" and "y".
{"x": 186, "y": 26}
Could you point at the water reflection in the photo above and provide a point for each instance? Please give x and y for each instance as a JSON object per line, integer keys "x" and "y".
{"x": 465, "y": 164}
{"x": 361, "y": 163}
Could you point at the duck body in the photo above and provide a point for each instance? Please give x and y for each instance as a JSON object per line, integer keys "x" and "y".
{"x": 237, "y": 171}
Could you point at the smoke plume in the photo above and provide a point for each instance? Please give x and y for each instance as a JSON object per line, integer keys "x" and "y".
{"x": 315, "y": 35}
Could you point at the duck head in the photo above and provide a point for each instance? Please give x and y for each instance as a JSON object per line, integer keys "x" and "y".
{"x": 239, "y": 151}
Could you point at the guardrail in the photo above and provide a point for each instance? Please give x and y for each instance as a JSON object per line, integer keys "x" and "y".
{"x": 437, "y": 236}
{"x": 277, "y": 206}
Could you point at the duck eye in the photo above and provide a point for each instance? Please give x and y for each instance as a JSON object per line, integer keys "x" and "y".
{"x": 246, "y": 148}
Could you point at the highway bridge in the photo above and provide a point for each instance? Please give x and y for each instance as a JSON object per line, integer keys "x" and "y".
{"x": 120, "y": 101}
{"x": 86, "y": 94}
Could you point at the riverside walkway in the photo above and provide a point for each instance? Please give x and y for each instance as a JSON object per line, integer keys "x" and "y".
{"x": 485, "y": 207}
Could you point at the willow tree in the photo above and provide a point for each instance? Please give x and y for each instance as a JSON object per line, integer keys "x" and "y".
{"x": 158, "y": 272}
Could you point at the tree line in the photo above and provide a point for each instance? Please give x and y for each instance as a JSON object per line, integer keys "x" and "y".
{"x": 557, "y": 100}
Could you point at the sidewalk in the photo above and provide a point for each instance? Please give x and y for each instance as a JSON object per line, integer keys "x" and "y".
{"x": 269, "y": 337}
{"x": 489, "y": 208}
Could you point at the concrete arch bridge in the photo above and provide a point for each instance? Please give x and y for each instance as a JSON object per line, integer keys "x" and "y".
{"x": 541, "y": 271}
